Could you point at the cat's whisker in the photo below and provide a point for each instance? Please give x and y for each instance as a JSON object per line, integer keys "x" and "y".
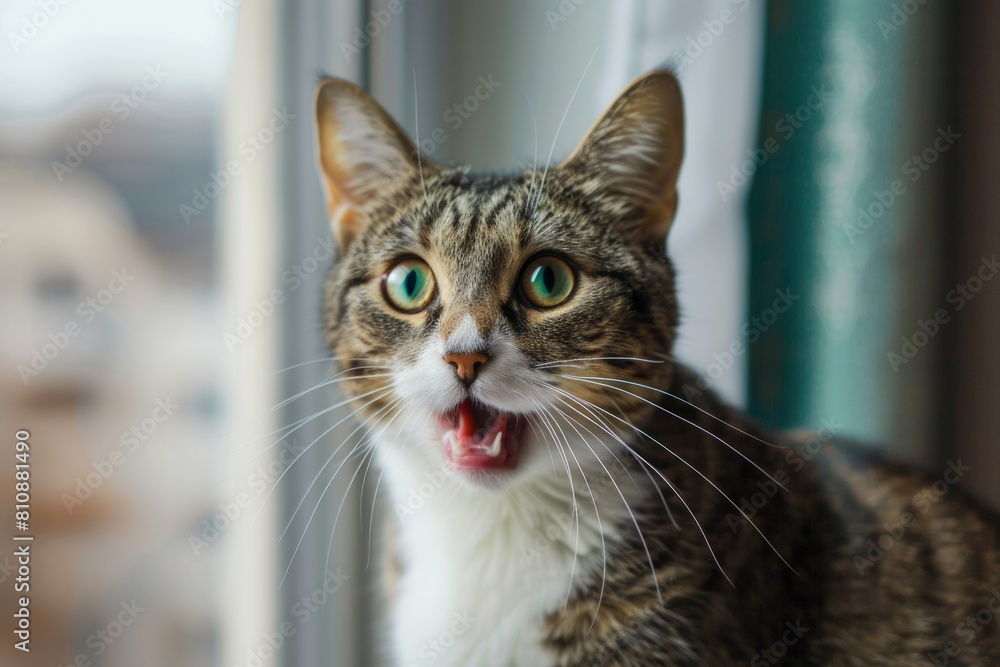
{"x": 646, "y": 468}
{"x": 556, "y": 363}
{"x": 534, "y": 164}
{"x": 680, "y": 497}
{"x": 635, "y": 522}
{"x": 370, "y": 452}
{"x": 416, "y": 135}
{"x": 300, "y": 454}
{"x": 642, "y": 538}
{"x": 320, "y": 360}
{"x": 686, "y": 421}
{"x": 700, "y": 474}
{"x": 358, "y": 447}
{"x": 536, "y": 427}
{"x": 610, "y": 451}
{"x": 696, "y": 407}
{"x": 335, "y": 379}
{"x": 285, "y": 431}
{"x": 597, "y": 512}
{"x": 576, "y": 509}
{"x": 325, "y": 382}
{"x": 343, "y": 501}
{"x": 329, "y": 459}
{"x": 541, "y": 186}
{"x": 390, "y": 205}
{"x": 305, "y": 531}
{"x": 371, "y": 519}
{"x": 545, "y": 417}
{"x": 597, "y": 421}
{"x": 361, "y": 511}
{"x": 551, "y": 425}
{"x": 294, "y": 427}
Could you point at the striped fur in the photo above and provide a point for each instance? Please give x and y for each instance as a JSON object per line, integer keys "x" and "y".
{"x": 679, "y": 575}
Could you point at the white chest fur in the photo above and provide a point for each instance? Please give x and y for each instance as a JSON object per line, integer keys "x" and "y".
{"x": 482, "y": 569}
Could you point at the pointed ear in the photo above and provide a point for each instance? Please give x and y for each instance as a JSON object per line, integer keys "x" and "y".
{"x": 362, "y": 152}
{"x": 633, "y": 153}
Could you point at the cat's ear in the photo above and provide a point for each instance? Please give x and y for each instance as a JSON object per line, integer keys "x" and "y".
{"x": 363, "y": 152}
{"x": 634, "y": 152}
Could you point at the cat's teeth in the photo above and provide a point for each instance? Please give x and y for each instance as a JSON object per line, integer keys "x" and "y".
{"x": 458, "y": 449}
{"x": 451, "y": 438}
{"x": 494, "y": 449}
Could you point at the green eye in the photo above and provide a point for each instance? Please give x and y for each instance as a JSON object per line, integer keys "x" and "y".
{"x": 409, "y": 285}
{"x": 547, "y": 281}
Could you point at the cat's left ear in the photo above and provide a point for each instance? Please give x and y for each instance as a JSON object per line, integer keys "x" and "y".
{"x": 363, "y": 154}
{"x": 633, "y": 153}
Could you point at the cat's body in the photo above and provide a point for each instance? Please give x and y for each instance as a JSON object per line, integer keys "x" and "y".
{"x": 889, "y": 564}
{"x": 560, "y": 495}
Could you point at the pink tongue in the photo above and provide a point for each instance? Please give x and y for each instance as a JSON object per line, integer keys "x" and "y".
{"x": 466, "y": 420}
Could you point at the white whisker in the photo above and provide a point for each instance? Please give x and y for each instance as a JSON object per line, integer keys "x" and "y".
{"x": 686, "y": 421}
{"x": 696, "y": 407}
{"x": 416, "y": 134}
{"x": 700, "y": 474}
{"x": 299, "y": 455}
{"x": 295, "y": 551}
{"x": 541, "y": 186}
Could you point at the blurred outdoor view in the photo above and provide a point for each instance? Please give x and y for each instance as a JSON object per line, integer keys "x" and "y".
{"x": 110, "y": 117}
{"x": 163, "y": 244}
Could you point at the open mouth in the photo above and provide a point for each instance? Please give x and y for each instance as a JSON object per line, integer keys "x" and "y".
{"x": 476, "y": 437}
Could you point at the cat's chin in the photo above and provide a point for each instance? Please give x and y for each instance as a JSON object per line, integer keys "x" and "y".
{"x": 477, "y": 438}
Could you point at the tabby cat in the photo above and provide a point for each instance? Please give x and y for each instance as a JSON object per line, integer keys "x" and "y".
{"x": 559, "y": 494}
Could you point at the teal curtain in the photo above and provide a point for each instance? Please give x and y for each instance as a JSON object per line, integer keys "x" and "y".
{"x": 824, "y": 218}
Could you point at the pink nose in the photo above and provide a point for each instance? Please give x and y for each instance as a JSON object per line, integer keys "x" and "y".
{"x": 466, "y": 364}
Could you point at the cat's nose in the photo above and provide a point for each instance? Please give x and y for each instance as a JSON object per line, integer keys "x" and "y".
{"x": 466, "y": 364}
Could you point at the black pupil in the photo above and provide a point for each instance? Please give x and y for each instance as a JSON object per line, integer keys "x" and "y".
{"x": 548, "y": 278}
{"x": 410, "y": 282}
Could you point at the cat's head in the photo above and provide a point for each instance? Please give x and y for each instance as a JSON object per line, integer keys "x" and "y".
{"x": 465, "y": 309}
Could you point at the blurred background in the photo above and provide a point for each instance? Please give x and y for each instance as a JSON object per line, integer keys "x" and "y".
{"x": 163, "y": 244}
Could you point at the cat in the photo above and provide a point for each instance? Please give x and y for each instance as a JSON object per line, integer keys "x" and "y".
{"x": 559, "y": 498}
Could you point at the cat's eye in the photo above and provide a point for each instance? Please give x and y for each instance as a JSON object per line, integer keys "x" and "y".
{"x": 547, "y": 281}
{"x": 409, "y": 285}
